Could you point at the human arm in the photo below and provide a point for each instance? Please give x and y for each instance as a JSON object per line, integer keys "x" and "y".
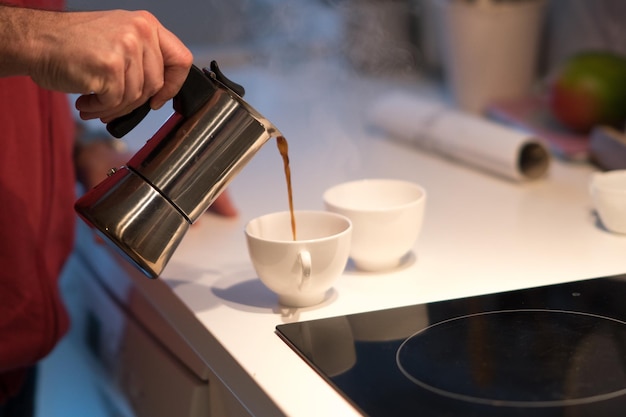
{"x": 116, "y": 60}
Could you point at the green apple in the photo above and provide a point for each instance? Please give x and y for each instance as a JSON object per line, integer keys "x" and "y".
{"x": 589, "y": 89}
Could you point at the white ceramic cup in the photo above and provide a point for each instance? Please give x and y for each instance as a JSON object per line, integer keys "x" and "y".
{"x": 608, "y": 193}
{"x": 300, "y": 271}
{"x": 386, "y": 215}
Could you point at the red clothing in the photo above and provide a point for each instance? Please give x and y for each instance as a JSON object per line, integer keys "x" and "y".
{"x": 36, "y": 219}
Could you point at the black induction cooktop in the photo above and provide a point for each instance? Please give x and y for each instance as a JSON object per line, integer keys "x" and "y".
{"x": 557, "y": 350}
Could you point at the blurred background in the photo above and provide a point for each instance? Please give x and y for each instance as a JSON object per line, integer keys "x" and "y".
{"x": 372, "y": 39}
{"x": 403, "y": 33}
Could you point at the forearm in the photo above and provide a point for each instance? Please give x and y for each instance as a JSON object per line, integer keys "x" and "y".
{"x": 20, "y": 34}
{"x": 43, "y": 44}
{"x": 117, "y": 60}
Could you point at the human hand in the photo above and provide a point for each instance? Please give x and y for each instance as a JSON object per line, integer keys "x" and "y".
{"x": 224, "y": 206}
{"x": 117, "y": 60}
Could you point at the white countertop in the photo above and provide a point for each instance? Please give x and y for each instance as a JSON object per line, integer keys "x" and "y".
{"x": 481, "y": 233}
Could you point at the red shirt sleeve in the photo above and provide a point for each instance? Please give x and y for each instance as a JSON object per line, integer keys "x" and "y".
{"x": 36, "y": 222}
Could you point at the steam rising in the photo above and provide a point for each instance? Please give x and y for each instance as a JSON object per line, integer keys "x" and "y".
{"x": 376, "y": 37}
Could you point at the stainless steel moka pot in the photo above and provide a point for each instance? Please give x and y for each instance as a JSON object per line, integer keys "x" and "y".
{"x": 145, "y": 207}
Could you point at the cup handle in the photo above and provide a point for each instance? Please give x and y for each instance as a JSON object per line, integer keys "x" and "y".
{"x": 305, "y": 262}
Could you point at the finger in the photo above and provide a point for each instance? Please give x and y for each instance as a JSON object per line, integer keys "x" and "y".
{"x": 141, "y": 85}
{"x": 89, "y": 106}
{"x": 224, "y": 206}
{"x": 147, "y": 73}
{"x": 143, "y": 79}
{"x": 132, "y": 96}
{"x": 106, "y": 90}
{"x": 99, "y": 103}
{"x": 154, "y": 75}
{"x": 177, "y": 60}
{"x": 133, "y": 90}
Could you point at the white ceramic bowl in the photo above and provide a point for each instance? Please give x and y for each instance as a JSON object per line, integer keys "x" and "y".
{"x": 386, "y": 215}
{"x": 608, "y": 193}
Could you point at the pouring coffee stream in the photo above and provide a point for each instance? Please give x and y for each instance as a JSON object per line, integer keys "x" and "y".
{"x": 283, "y": 148}
{"x": 145, "y": 207}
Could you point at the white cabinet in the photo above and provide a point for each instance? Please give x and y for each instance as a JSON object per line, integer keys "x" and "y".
{"x": 145, "y": 363}
{"x": 149, "y": 377}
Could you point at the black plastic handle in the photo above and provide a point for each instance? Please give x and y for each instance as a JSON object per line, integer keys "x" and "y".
{"x": 219, "y": 76}
{"x": 124, "y": 124}
{"x": 196, "y": 90}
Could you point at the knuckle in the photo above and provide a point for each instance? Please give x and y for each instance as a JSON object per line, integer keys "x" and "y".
{"x": 144, "y": 22}
{"x": 145, "y": 15}
{"x": 131, "y": 43}
{"x": 156, "y": 86}
{"x": 186, "y": 57}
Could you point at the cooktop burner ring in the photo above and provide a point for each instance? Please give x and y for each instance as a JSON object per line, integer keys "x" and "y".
{"x": 488, "y": 372}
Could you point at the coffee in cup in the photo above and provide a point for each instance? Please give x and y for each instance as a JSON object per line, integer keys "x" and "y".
{"x": 300, "y": 271}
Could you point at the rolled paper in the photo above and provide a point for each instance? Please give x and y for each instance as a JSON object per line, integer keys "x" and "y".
{"x": 466, "y": 138}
